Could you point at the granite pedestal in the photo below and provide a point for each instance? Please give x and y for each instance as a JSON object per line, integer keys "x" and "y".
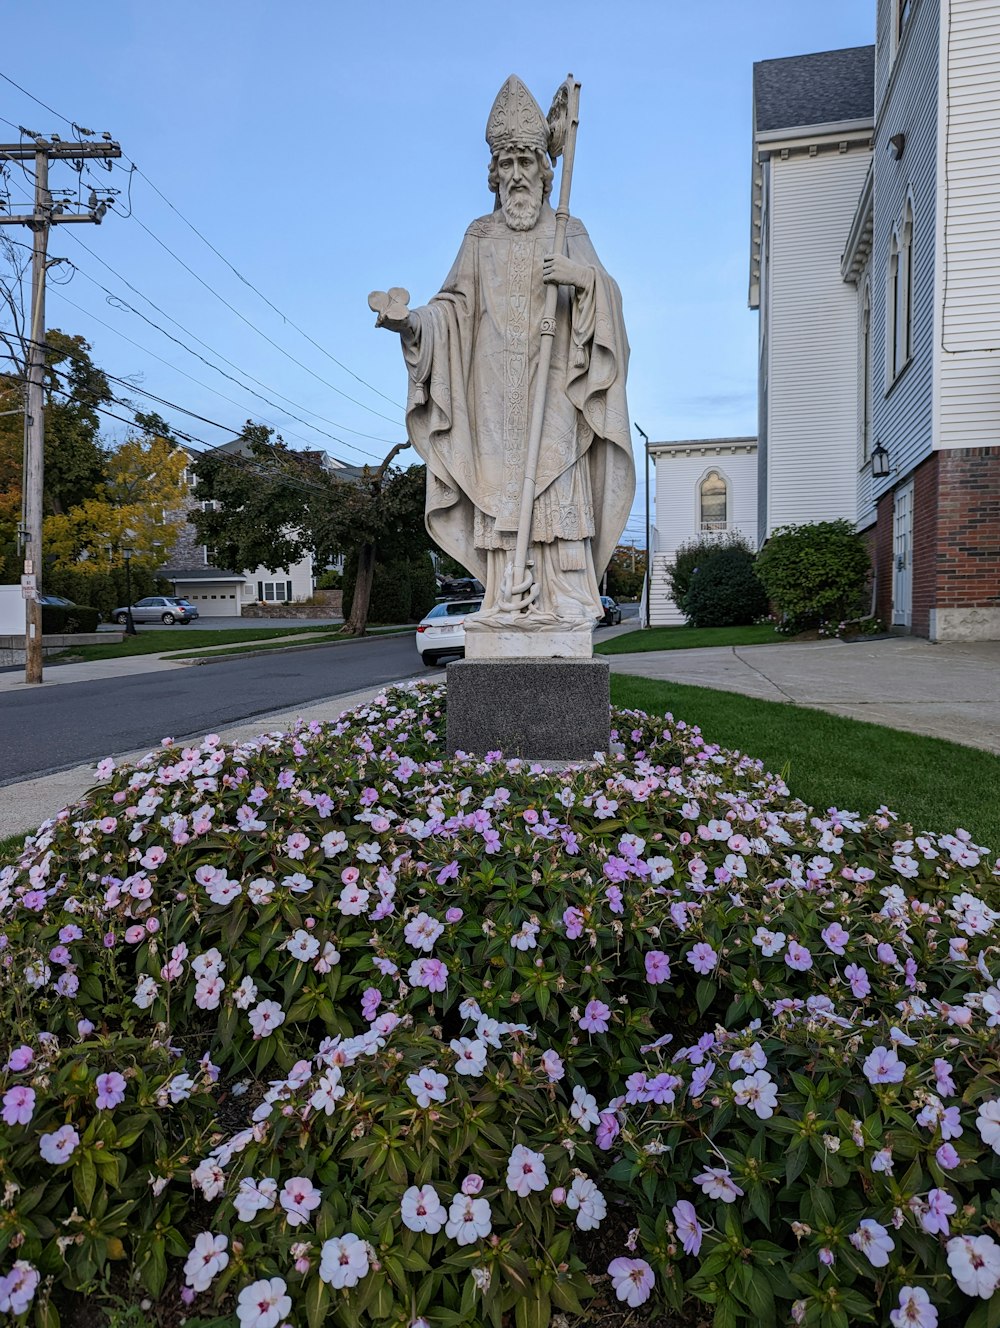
{"x": 538, "y": 709}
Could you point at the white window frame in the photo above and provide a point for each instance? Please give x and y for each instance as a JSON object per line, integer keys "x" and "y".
{"x": 712, "y": 527}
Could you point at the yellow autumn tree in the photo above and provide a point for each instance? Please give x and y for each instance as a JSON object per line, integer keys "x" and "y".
{"x": 138, "y": 507}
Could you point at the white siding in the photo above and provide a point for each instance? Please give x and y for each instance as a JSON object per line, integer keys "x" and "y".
{"x": 300, "y": 574}
{"x": 968, "y": 413}
{"x": 812, "y": 340}
{"x": 678, "y": 477}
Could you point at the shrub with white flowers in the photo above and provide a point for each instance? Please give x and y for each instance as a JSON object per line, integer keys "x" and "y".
{"x": 327, "y": 1028}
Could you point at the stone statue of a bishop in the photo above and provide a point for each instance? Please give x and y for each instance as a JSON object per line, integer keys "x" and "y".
{"x": 472, "y": 354}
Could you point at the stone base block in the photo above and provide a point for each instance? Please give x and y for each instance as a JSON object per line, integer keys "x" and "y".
{"x": 538, "y": 709}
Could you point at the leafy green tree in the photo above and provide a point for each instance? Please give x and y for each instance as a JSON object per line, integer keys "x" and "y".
{"x": 272, "y": 505}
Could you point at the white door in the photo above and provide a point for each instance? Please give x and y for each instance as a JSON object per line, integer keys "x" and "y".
{"x": 902, "y": 560}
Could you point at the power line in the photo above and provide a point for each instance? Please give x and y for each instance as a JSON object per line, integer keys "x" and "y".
{"x": 246, "y": 281}
{"x": 343, "y": 442}
{"x": 133, "y": 167}
{"x": 176, "y": 322}
{"x": 254, "y": 328}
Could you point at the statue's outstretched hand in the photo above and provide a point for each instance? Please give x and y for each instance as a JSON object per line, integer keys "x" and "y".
{"x": 558, "y": 270}
{"x": 391, "y": 307}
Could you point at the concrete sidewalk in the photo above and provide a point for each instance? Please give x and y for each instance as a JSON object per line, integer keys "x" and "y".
{"x": 947, "y": 691}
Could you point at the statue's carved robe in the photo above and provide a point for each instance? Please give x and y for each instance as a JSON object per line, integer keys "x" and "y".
{"x": 473, "y": 363}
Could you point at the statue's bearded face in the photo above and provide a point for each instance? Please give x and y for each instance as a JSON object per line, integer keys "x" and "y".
{"x": 521, "y": 187}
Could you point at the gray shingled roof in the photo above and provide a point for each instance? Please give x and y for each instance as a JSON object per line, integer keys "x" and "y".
{"x": 825, "y": 88}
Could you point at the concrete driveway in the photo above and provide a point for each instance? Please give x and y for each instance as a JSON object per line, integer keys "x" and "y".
{"x": 945, "y": 691}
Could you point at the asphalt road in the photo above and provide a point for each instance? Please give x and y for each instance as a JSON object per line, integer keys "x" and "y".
{"x": 49, "y": 729}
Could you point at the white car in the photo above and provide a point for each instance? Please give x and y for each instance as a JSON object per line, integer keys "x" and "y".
{"x": 442, "y": 631}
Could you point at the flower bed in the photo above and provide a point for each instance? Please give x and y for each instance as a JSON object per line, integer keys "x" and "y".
{"x": 324, "y": 1027}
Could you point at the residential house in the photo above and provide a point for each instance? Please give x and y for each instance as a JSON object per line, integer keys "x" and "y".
{"x": 704, "y": 488}
{"x": 876, "y": 269}
{"x": 223, "y": 592}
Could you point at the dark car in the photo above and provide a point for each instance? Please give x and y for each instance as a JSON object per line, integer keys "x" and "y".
{"x": 56, "y": 602}
{"x": 612, "y": 613}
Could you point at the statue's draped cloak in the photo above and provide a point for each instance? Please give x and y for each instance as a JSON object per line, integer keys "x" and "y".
{"x": 473, "y": 363}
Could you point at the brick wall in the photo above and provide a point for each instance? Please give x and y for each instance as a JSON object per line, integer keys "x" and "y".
{"x": 956, "y": 535}
{"x": 968, "y": 552}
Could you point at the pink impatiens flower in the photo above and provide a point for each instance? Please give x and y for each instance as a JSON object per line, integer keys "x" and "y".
{"x": 110, "y": 1090}
{"x": 18, "y": 1105}
{"x": 632, "y": 1280}
{"x": 429, "y": 973}
{"x": 595, "y": 1017}
{"x": 265, "y": 1018}
{"x": 526, "y": 1171}
{"x": 883, "y": 1066}
{"x": 689, "y": 1230}
{"x": 702, "y": 958}
{"x": 657, "y": 967}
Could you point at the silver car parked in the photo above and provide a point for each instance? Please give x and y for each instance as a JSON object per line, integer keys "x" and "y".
{"x": 166, "y": 609}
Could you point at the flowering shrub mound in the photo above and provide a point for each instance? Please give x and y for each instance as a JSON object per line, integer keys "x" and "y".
{"x": 326, "y": 1028}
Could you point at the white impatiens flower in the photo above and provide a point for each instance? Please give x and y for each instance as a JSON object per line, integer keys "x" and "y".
{"x": 328, "y": 1092}
{"x": 874, "y": 1242}
{"x": 469, "y": 1219}
{"x": 470, "y": 1056}
{"x": 975, "y": 1264}
{"x": 758, "y": 1092}
{"x": 583, "y": 1108}
{"x": 525, "y": 1171}
{"x": 263, "y": 1304}
{"x": 145, "y": 992}
{"x": 206, "y": 1260}
{"x": 915, "y": 1309}
{"x": 422, "y": 1210}
{"x": 254, "y": 1196}
{"x": 588, "y": 1202}
{"x": 302, "y": 945}
{"x": 988, "y": 1123}
{"x": 344, "y": 1260}
{"x": 717, "y": 1183}
{"x": 209, "y": 1177}
{"x": 298, "y": 1198}
{"x": 428, "y": 1086}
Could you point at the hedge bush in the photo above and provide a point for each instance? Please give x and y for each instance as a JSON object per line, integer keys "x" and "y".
{"x": 724, "y": 590}
{"x": 695, "y": 553}
{"x": 815, "y": 573}
{"x": 324, "y": 1027}
{"x": 80, "y": 618}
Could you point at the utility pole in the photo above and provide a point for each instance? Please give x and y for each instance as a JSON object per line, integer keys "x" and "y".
{"x": 46, "y": 213}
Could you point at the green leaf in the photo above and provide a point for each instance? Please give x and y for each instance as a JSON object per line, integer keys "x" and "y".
{"x": 533, "y": 1311}
{"x": 317, "y": 1299}
{"x": 705, "y": 994}
{"x": 85, "y": 1180}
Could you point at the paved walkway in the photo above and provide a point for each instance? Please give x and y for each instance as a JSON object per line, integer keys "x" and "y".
{"x": 944, "y": 691}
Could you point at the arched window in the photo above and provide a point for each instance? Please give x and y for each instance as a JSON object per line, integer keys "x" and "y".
{"x": 713, "y": 495}
{"x": 899, "y": 339}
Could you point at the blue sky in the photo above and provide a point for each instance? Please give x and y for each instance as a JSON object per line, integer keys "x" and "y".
{"x": 325, "y": 149}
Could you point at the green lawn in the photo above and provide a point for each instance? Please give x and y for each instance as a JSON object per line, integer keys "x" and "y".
{"x": 688, "y": 638}
{"x": 164, "y": 640}
{"x": 828, "y": 761}
{"x": 329, "y": 636}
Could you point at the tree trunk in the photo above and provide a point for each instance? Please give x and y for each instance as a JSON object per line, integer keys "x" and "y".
{"x": 358, "y": 621}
